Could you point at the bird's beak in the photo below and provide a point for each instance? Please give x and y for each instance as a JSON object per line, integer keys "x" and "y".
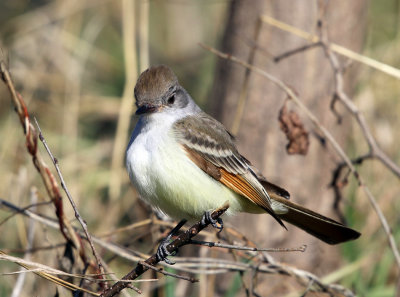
{"x": 146, "y": 108}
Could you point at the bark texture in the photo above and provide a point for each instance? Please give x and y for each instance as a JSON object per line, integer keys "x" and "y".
{"x": 259, "y": 137}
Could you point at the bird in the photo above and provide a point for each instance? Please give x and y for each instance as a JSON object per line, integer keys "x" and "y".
{"x": 185, "y": 163}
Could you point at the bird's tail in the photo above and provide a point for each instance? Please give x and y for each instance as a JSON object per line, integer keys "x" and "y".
{"x": 324, "y": 228}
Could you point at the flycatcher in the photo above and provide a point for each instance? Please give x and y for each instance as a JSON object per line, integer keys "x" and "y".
{"x": 185, "y": 163}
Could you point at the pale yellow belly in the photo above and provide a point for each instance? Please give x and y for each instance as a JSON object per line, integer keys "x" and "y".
{"x": 170, "y": 181}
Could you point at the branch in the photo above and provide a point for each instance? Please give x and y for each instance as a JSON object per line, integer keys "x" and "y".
{"x": 162, "y": 271}
{"x": 48, "y": 178}
{"x": 327, "y": 135}
{"x": 264, "y": 264}
{"x": 374, "y": 149}
{"x": 296, "y": 51}
{"x": 247, "y": 248}
{"x": 180, "y": 241}
{"x": 49, "y": 181}
{"x": 390, "y": 70}
{"x": 17, "y": 290}
{"x": 339, "y": 94}
{"x": 45, "y": 272}
{"x": 64, "y": 186}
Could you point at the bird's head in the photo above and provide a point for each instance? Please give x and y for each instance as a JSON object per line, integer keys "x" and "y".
{"x": 158, "y": 89}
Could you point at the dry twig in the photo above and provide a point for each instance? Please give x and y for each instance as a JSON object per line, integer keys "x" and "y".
{"x": 291, "y": 94}
{"x": 248, "y": 248}
{"x": 48, "y": 178}
{"x": 31, "y": 236}
{"x": 31, "y": 144}
{"x": 264, "y": 263}
{"x": 180, "y": 241}
{"x": 337, "y": 48}
{"x": 374, "y": 149}
{"x": 75, "y": 208}
{"x": 340, "y": 95}
{"x": 162, "y": 271}
{"x": 45, "y": 272}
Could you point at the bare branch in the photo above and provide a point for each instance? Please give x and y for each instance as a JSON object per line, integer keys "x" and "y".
{"x": 71, "y": 200}
{"x": 162, "y": 271}
{"x": 248, "y": 248}
{"x": 295, "y": 51}
{"x": 31, "y": 236}
{"x": 180, "y": 241}
{"x": 390, "y": 70}
{"x": 340, "y": 95}
{"x": 48, "y": 178}
{"x": 327, "y": 135}
{"x": 264, "y": 263}
{"x": 31, "y": 144}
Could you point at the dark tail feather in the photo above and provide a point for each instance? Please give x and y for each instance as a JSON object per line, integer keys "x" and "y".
{"x": 324, "y": 228}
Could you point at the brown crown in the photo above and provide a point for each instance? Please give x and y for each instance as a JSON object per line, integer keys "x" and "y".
{"x": 154, "y": 82}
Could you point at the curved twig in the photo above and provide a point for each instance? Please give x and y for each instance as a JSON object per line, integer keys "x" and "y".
{"x": 292, "y": 95}
{"x": 48, "y": 178}
{"x": 264, "y": 263}
{"x": 75, "y": 208}
{"x": 180, "y": 241}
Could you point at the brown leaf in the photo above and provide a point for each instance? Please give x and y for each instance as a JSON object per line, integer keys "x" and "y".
{"x": 292, "y": 126}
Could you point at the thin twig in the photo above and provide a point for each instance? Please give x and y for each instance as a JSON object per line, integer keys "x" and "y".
{"x": 207, "y": 265}
{"x": 292, "y": 95}
{"x": 71, "y": 200}
{"x": 296, "y": 51}
{"x": 127, "y": 228}
{"x": 162, "y": 271}
{"x": 136, "y": 289}
{"x": 31, "y": 235}
{"x": 48, "y": 178}
{"x": 180, "y": 241}
{"x": 248, "y": 248}
{"x": 25, "y": 208}
{"x": 375, "y": 150}
{"x": 45, "y": 272}
{"x": 390, "y": 70}
{"x": 341, "y": 95}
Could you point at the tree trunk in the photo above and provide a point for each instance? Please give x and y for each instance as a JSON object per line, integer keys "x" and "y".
{"x": 259, "y": 137}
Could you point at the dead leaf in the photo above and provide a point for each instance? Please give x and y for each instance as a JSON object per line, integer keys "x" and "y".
{"x": 295, "y": 132}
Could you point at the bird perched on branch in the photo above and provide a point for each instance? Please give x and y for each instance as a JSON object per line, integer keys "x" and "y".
{"x": 185, "y": 163}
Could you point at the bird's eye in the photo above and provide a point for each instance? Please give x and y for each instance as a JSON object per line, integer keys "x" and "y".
{"x": 171, "y": 99}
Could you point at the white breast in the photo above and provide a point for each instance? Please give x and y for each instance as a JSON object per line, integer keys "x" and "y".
{"x": 147, "y": 138}
{"x": 166, "y": 178}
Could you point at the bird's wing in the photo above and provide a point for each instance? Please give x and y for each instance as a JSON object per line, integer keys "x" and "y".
{"x": 210, "y": 146}
{"x": 268, "y": 186}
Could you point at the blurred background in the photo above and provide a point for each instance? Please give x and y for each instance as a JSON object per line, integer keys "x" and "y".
{"x": 76, "y": 63}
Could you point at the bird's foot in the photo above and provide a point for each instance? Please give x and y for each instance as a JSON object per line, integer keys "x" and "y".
{"x": 162, "y": 250}
{"x": 216, "y": 223}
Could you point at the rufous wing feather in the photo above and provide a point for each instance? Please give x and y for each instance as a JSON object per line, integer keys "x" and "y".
{"x": 235, "y": 182}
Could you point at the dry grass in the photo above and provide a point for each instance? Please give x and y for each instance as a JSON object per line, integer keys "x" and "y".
{"x": 70, "y": 61}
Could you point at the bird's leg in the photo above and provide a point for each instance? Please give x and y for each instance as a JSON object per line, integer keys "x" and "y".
{"x": 162, "y": 251}
{"x": 207, "y": 219}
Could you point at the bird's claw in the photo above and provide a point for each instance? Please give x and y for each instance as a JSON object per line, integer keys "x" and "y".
{"x": 216, "y": 223}
{"x": 162, "y": 251}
